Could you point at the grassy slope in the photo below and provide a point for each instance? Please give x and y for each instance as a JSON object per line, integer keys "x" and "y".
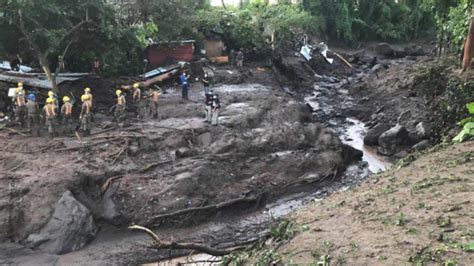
{"x": 421, "y": 212}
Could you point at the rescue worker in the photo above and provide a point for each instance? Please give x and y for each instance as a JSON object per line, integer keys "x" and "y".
{"x": 32, "y": 119}
{"x": 154, "y": 97}
{"x": 206, "y": 82}
{"x": 55, "y": 100}
{"x": 50, "y": 115}
{"x": 85, "y": 116}
{"x": 87, "y": 91}
{"x": 184, "y": 85}
{"x": 20, "y": 104}
{"x": 66, "y": 112}
{"x": 240, "y": 58}
{"x": 137, "y": 92}
{"x": 142, "y": 107}
{"x": 216, "y": 106}
{"x": 207, "y": 107}
{"x": 120, "y": 107}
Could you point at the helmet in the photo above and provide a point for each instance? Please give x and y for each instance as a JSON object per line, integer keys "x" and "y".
{"x": 136, "y": 85}
{"x": 87, "y": 90}
{"x": 20, "y": 84}
{"x": 49, "y": 100}
{"x": 31, "y": 97}
{"x": 118, "y": 92}
{"x": 85, "y": 97}
{"x": 66, "y": 99}
{"x": 50, "y": 93}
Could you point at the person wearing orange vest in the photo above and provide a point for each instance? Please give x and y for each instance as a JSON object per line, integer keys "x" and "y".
{"x": 20, "y": 104}
{"x": 154, "y": 97}
{"x": 50, "y": 115}
{"x": 120, "y": 107}
{"x": 85, "y": 116}
{"x": 66, "y": 112}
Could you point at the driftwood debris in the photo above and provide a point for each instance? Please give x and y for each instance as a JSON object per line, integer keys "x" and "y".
{"x": 214, "y": 207}
{"x": 153, "y": 165}
{"x": 160, "y": 244}
{"x": 15, "y": 131}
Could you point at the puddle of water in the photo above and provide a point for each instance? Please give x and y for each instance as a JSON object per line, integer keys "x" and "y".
{"x": 354, "y": 137}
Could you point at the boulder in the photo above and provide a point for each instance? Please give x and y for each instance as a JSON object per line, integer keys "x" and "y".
{"x": 385, "y": 49}
{"x": 422, "y": 145}
{"x": 372, "y": 136}
{"x": 415, "y": 50}
{"x": 392, "y": 139}
{"x": 69, "y": 229}
{"x": 423, "y": 130}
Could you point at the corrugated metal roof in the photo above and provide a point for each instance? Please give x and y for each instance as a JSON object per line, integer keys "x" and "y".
{"x": 39, "y": 81}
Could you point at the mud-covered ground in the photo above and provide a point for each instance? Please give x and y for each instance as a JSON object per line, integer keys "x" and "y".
{"x": 176, "y": 171}
{"x": 279, "y": 135}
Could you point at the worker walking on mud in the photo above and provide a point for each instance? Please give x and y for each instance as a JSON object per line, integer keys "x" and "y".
{"x": 20, "y": 104}
{"x": 184, "y": 85}
{"x": 154, "y": 97}
{"x": 50, "y": 116}
{"x": 87, "y": 91}
{"x": 142, "y": 107}
{"x": 240, "y": 58}
{"x": 137, "y": 93}
{"x": 32, "y": 120}
{"x": 55, "y": 100}
{"x": 66, "y": 113}
{"x": 85, "y": 116}
{"x": 206, "y": 82}
{"x": 120, "y": 107}
{"x": 216, "y": 106}
{"x": 208, "y": 106}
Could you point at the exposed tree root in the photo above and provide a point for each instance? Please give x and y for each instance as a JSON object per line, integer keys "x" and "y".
{"x": 160, "y": 244}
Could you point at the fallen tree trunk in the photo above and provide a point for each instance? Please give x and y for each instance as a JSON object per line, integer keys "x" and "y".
{"x": 160, "y": 244}
{"x": 215, "y": 207}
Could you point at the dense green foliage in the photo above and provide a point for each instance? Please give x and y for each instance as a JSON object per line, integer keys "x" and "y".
{"x": 115, "y": 32}
{"x": 353, "y": 20}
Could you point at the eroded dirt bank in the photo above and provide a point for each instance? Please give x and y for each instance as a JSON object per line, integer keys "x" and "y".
{"x": 420, "y": 212}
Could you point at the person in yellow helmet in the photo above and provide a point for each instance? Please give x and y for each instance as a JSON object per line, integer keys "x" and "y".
{"x": 49, "y": 111}
{"x": 137, "y": 93}
{"x": 120, "y": 107}
{"x": 55, "y": 100}
{"x": 20, "y": 105}
{"x": 66, "y": 113}
{"x": 87, "y": 91}
{"x": 85, "y": 116}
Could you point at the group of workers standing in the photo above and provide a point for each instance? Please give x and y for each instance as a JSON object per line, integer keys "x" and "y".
{"x": 58, "y": 118}
{"x": 28, "y": 113}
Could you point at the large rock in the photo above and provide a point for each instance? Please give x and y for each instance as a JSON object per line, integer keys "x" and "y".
{"x": 391, "y": 140}
{"x": 70, "y": 227}
{"x": 423, "y": 130}
{"x": 373, "y": 134}
{"x": 385, "y": 49}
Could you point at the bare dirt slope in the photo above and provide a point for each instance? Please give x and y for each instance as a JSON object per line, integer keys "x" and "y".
{"x": 417, "y": 213}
